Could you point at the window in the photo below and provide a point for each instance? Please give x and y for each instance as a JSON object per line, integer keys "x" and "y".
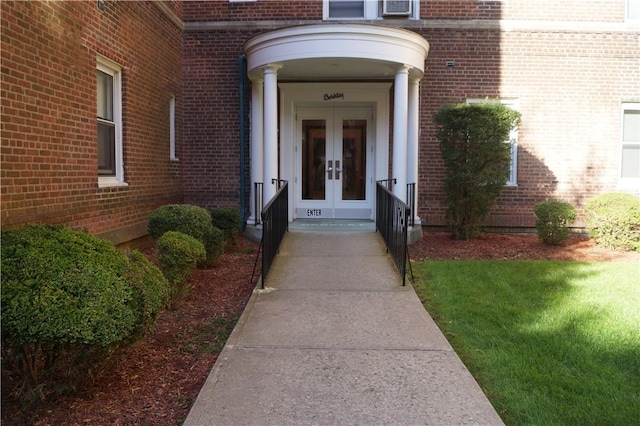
{"x": 513, "y": 138}
{"x": 370, "y": 9}
{"x": 172, "y": 128}
{"x": 633, "y": 10}
{"x": 630, "y": 152}
{"x": 109, "y": 117}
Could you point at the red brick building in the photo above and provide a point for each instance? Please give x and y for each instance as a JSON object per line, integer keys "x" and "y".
{"x": 110, "y": 109}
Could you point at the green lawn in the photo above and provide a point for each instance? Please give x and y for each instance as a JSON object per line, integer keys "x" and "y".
{"x": 551, "y": 343}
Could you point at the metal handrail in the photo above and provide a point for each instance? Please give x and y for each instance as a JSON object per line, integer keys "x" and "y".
{"x": 392, "y": 218}
{"x": 275, "y": 222}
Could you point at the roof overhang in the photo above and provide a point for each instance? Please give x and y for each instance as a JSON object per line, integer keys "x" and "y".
{"x": 323, "y": 52}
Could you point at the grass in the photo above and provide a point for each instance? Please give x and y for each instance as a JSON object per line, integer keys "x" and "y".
{"x": 550, "y": 343}
{"x": 211, "y": 337}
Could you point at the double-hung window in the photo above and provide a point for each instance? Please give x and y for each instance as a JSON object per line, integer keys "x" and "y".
{"x": 172, "y": 128}
{"x": 109, "y": 117}
{"x": 633, "y": 10}
{"x": 370, "y": 9}
{"x": 630, "y": 152}
{"x": 513, "y": 138}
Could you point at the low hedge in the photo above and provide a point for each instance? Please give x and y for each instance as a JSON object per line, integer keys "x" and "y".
{"x": 178, "y": 255}
{"x": 553, "y": 220}
{"x": 67, "y": 299}
{"x": 229, "y": 221}
{"x": 190, "y": 220}
{"x": 151, "y": 290}
{"x": 613, "y": 220}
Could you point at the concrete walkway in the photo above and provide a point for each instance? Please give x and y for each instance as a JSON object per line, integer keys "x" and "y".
{"x": 336, "y": 340}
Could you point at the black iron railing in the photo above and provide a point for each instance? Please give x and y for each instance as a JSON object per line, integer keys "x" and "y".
{"x": 411, "y": 202}
{"x": 392, "y": 218}
{"x": 257, "y": 202}
{"x": 275, "y": 221}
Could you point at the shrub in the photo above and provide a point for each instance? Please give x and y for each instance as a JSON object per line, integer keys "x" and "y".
{"x": 473, "y": 142}
{"x": 214, "y": 246}
{"x": 190, "y": 220}
{"x": 65, "y": 303}
{"x": 228, "y": 220}
{"x": 178, "y": 255}
{"x": 553, "y": 220}
{"x": 150, "y": 290}
{"x": 613, "y": 220}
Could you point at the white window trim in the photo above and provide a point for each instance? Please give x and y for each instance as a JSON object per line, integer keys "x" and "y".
{"x": 626, "y": 12}
{"x": 513, "y": 135}
{"x": 113, "y": 69}
{"x": 632, "y": 184}
{"x": 172, "y": 129}
{"x": 370, "y": 12}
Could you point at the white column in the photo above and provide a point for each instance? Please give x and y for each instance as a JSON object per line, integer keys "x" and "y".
{"x": 413, "y": 137}
{"x": 400, "y": 109}
{"x": 270, "y": 130}
{"x": 257, "y": 147}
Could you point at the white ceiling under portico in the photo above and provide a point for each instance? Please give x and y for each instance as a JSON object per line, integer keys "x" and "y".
{"x": 323, "y": 52}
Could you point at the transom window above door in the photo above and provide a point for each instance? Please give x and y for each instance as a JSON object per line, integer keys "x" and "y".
{"x": 371, "y": 9}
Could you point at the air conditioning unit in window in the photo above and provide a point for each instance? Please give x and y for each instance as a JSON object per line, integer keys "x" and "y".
{"x": 396, "y": 7}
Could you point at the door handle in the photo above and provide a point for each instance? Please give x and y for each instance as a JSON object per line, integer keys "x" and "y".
{"x": 338, "y": 170}
{"x": 330, "y": 170}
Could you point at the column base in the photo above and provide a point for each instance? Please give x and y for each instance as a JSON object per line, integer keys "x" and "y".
{"x": 414, "y": 233}
{"x": 253, "y": 232}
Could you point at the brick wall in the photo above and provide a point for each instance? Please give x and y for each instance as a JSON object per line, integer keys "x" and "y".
{"x": 545, "y": 10}
{"x": 225, "y": 10}
{"x": 212, "y": 122}
{"x": 49, "y": 135}
{"x": 262, "y": 10}
{"x": 569, "y": 85}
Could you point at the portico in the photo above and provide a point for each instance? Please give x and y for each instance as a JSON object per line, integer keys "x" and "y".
{"x": 321, "y": 118}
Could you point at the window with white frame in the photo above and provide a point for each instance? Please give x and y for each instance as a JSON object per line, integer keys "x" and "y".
{"x": 109, "y": 117}
{"x": 633, "y": 10}
{"x": 172, "y": 128}
{"x": 371, "y": 9}
{"x": 513, "y": 138}
{"x": 630, "y": 152}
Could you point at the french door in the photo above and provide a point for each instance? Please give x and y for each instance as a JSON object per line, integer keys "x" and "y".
{"x": 334, "y": 162}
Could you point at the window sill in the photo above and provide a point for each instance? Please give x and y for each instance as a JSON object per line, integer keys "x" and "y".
{"x": 629, "y": 185}
{"x": 110, "y": 182}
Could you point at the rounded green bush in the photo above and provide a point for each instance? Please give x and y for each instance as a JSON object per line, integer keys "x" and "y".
{"x": 214, "y": 245}
{"x": 178, "y": 255}
{"x": 553, "y": 220}
{"x": 190, "y": 220}
{"x": 228, "y": 220}
{"x": 65, "y": 301}
{"x": 613, "y": 220}
{"x": 150, "y": 288}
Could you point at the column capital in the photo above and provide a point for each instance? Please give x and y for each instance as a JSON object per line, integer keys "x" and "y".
{"x": 271, "y": 68}
{"x": 403, "y": 69}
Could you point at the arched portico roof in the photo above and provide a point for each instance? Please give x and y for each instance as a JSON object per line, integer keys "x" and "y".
{"x": 337, "y": 52}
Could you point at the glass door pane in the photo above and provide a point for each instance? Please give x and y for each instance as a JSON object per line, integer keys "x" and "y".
{"x": 354, "y": 159}
{"x": 314, "y": 148}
